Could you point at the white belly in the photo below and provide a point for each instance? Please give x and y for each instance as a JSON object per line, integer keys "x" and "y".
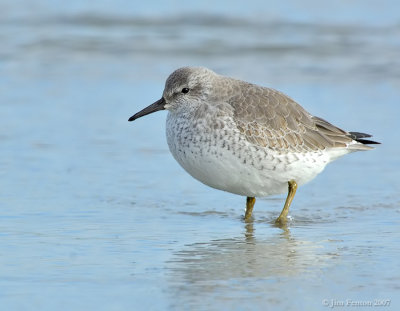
{"x": 226, "y": 161}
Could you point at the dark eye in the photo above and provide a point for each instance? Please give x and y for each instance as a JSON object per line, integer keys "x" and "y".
{"x": 185, "y": 90}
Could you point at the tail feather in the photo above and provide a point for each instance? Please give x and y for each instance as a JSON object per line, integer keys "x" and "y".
{"x": 359, "y": 137}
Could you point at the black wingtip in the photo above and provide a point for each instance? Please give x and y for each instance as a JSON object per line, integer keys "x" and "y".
{"x": 368, "y": 142}
{"x": 357, "y": 136}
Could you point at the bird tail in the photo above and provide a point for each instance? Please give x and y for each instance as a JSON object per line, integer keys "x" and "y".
{"x": 359, "y": 137}
{"x": 359, "y": 142}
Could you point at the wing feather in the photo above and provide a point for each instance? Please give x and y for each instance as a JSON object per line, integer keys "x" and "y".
{"x": 269, "y": 118}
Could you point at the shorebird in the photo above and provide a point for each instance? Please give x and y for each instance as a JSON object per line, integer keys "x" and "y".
{"x": 247, "y": 139}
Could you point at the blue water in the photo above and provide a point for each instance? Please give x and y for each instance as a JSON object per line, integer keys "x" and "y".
{"x": 95, "y": 214}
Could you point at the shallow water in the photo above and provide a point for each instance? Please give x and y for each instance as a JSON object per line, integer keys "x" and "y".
{"x": 96, "y": 214}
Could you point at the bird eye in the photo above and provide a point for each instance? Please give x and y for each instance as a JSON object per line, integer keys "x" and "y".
{"x": 185, "y": 90}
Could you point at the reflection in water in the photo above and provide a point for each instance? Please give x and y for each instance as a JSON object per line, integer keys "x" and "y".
{"x": 228, "y": 264}
{"x": 91, "y": 213}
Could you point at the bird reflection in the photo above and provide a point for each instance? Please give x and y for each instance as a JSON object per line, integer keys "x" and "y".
{"x": 247, "y": 256}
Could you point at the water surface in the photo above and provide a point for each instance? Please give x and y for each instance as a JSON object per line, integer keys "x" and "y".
{"x": 96, "y": 214}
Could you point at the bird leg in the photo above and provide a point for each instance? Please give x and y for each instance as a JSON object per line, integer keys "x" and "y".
{"x": 250, "y": 201}
{"x": 282, "y": 219}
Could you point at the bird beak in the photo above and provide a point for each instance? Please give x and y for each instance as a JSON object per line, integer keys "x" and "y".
{"x": 158, "y": 105}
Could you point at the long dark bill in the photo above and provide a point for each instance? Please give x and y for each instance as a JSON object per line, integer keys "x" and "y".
{"x": 158, "y": 105}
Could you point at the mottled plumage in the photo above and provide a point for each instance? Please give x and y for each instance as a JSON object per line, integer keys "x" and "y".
{"x": 243, "y": 138}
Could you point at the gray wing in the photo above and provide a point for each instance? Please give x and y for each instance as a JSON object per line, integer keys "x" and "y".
{"x": 269, "y": 118}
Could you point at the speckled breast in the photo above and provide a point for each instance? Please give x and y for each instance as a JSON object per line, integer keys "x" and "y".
{"x": 214, "y": 152}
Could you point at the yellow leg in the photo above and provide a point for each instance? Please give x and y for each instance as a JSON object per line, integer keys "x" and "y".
{"x": 282, "y": 219}
{"x": 250, "y": 201}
